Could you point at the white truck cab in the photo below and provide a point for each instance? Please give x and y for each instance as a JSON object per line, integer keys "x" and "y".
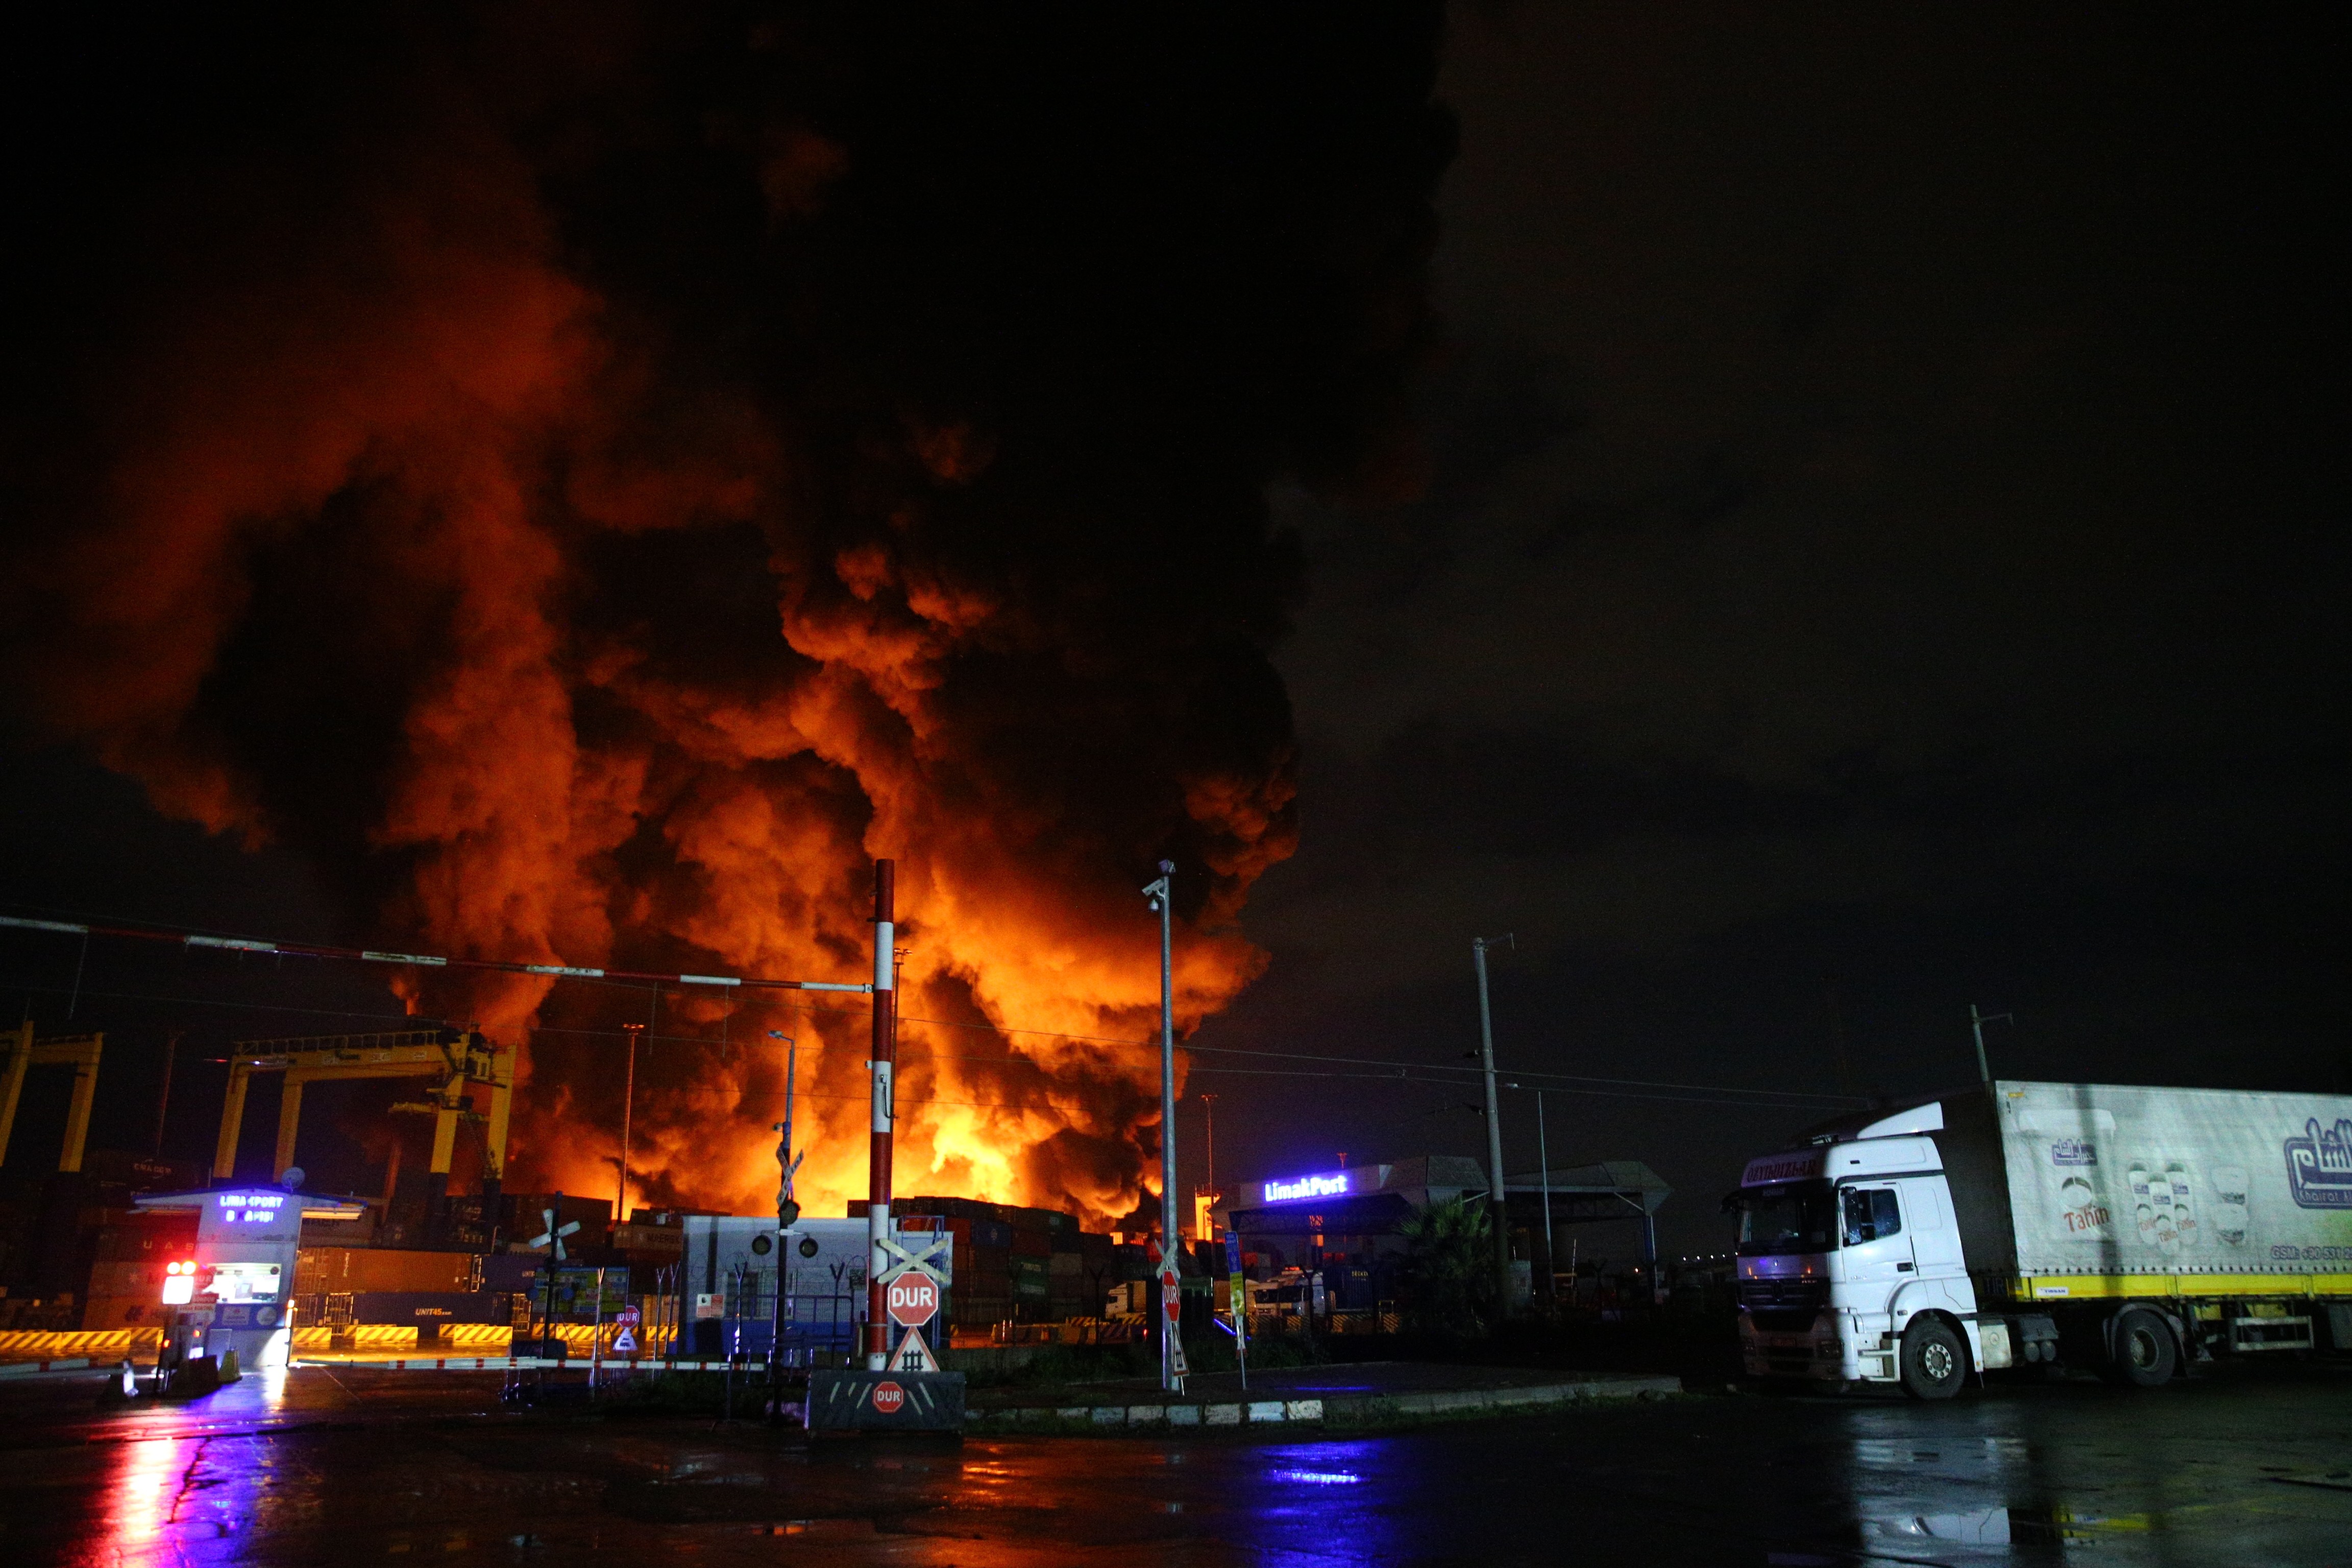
{"x": 1851, "y": 1269}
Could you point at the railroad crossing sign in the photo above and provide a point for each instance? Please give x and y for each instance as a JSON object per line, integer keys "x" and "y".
{"x": 1171, "y": 1282}
{"x": 625, "y": 1341}
{"x": 926, "y": 1258}
{"x": 1171, "y": 1308}
{"x": 553, "y": 1237}
{"x": 913, "y": 1300}
{"x": 913, "y": 1354}
{"x": 788, "y": 1210}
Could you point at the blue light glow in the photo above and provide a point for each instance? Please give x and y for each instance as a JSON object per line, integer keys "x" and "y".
{"x": 1319, "y": 1477}
{"x": 1323, "y": 1184}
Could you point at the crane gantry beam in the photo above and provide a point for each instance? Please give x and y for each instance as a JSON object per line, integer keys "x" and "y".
{"x": 79, "y": 1052}
{"x": 457, "y": 1066}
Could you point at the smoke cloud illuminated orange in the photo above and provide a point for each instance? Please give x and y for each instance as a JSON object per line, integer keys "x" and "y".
{"x": 597, "y": 483}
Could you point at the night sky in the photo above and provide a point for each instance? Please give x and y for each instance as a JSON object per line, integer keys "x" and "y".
{"x": 1868, "y": 539}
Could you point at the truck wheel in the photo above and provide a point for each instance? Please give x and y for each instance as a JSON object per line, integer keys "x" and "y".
{"x": 1934, "y": 1360}
{"x": 2145, "y": 1356}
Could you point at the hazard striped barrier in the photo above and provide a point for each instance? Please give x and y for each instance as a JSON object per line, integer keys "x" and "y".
{"x": 510, "y": 1363}
{"x": 51, "y": 1344}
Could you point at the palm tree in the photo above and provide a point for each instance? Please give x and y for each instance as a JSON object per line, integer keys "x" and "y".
{"x": 1449, "y": 1269}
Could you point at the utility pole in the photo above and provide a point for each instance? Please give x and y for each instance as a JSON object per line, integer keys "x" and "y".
{"x": 628, "y": 1111}
{"x": 1543, "y": 1158}
{"x": 884, "y": 1065}
{"x": 788, "y": 1212}
{"x": 1497, "y": 1205}
{"x": 1157, "y": 899}
{"x": 1977, "y": 1021}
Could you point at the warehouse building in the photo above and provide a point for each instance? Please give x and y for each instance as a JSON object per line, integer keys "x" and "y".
{"x": 1345, "y": 1224}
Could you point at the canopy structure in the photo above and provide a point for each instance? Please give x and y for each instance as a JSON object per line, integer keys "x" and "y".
{"x": 1613, "y": 1189}
{"x": 314, "y": 1205}
{"x": 1374, "y": 1200}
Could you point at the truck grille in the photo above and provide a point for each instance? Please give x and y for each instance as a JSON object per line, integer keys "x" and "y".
{"x": 1784, "y": 1305}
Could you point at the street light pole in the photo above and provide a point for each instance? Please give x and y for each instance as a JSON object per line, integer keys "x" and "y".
{"x": 1172, "y": 1348}
{"x": 1498, "y": 1204}
{"x": 1977, "y": 1021}
{"x": 628, "y": 1107}
{"x": 1208, "y": 1148}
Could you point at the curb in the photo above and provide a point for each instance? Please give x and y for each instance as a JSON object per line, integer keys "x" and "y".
{"x": 1364, "y": 1410}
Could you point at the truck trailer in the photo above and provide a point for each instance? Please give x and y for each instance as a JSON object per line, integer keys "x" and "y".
{"x": 2127, "y": 1230}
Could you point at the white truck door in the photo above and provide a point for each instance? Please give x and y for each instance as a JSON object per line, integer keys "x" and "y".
{"x": 1877, "y": 1246}
{"x": 1935, "y": 1236}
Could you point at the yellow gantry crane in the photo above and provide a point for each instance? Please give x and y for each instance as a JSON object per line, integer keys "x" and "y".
{"x": 79, "y": 1052}
{"x": 459, "y": 1061}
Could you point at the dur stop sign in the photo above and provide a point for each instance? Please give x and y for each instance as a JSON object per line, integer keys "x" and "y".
{"x": 913, "y": 1300}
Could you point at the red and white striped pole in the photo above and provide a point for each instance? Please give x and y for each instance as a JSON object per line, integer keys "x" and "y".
{"x": 884, "y": 1062}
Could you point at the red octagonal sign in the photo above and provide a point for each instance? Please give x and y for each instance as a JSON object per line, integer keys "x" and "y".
{"x": 913, "y": 1300}
{"x": 889, "y": 1397}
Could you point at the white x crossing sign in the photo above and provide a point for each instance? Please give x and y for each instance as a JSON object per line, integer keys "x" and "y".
{"x": 935, "y": 1257}
{"x": 553, "y": 1237}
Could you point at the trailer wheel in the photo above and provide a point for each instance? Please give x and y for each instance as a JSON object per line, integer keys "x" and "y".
{"x": 1934, "y": 1360}
{"x": 2144, "y": 1355}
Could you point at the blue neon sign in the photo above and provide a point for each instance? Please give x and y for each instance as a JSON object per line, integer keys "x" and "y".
{"x": 1299, "y": 1189}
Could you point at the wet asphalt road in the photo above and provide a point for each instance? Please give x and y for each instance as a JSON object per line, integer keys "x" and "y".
{"x": 403, "y": 1468}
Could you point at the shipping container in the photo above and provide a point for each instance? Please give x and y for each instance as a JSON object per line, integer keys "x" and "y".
{"x": 159, "y": 1235}
{"x": 345, "y": 1269}
{"x": 426, "y": 1308}
{"x": 123, "y": 1312}
{"x": 523, "y": 1215}
{"x": 143, "y": 1281}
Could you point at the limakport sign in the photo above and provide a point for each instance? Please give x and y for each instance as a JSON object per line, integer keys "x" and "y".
{"x": 1323, "y": 1184}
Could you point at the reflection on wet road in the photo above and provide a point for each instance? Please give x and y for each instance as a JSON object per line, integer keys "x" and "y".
{"x": 356, "y": 1467}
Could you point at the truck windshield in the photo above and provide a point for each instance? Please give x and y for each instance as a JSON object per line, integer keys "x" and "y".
{"x": 1797, "y": 1217}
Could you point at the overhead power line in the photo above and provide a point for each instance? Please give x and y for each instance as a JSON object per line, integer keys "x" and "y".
{"x": 1421, "y": 1071}
{"x": 417, "y": 960}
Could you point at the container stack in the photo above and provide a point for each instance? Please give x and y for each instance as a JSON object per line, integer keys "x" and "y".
{"x": 1015, "y": 1265}
{"x": 126, "y": 1271}
{"x": 1033, "y": 1256}
{"x": 1082, "y": 1273}
{"x": 981, "y": 1295}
